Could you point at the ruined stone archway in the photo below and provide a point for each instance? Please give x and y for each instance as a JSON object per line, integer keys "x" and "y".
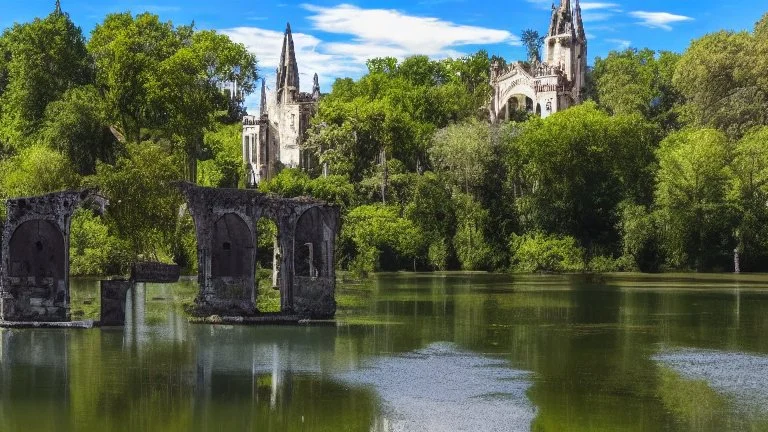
{"x": 34, "y": 269}
{"x": 232, "y": 292}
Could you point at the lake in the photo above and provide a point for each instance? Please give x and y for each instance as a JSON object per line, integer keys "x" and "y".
{"x": 413, "y": 352}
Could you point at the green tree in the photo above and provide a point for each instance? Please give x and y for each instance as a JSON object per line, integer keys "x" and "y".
{"x": 36, "y": 170}
{"x": 532, "y": 43}
{"x": 127, "y": 53}
{"x": 76, "y": 125}
{"x": 143, "y": 201}
{"x": 749, "y": 194}
{"x": 723, "y": 87}
{"x": 379, "y": 238}
{"x": 695, "y": 219}
{"x": 537, "y": 252}
{"x": 40, "y": 61}
{"x": 570, "y": 171}
{"x": 633, "y": 81}
{"x": 187, "y": 88}
{"x": 461, "y": 152}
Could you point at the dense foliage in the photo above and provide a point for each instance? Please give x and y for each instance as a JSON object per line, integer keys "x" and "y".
{"x": 665, "y": 168}
{"x": 129, "y": 111}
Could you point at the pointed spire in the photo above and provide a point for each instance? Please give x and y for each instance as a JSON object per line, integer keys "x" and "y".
{"x": 578, "y": 22}
{"x": 288, "y": 70}
{"x": 263, "y": 106}
{"x": 316, "y": 87}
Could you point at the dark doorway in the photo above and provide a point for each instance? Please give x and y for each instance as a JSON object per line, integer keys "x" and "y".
{"x": 232, "y": 252}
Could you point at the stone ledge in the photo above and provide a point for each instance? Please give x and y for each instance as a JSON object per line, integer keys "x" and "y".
{"x": 261, "y": 320}
{"x": 49, "y": 325}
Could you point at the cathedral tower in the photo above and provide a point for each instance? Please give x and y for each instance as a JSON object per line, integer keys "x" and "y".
{"x": 565, "y": 45}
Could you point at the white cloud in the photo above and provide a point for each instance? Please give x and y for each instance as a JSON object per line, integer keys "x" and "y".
{"x": 588, "y": 6}
{"x": 662, "y": 20}
{"x": 389, "y": 29}
{"x": 621, "y": 44}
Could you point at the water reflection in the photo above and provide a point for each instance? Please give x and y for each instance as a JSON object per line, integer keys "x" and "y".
{"x": 412, "y": 352}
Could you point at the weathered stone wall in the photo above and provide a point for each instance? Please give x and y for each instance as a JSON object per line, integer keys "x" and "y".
{"x": 34, "y": 272}
{"x": 226, "y": 278}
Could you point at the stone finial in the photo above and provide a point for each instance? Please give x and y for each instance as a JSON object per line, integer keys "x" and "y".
{"x": 316, "y": 87}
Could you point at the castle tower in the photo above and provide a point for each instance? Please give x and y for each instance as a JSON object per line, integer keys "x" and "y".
{"x": 565, "y": 45}
{"x": 288, "y": 71}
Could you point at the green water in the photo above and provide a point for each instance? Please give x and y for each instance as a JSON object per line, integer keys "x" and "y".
{"x": 414, "y": 353}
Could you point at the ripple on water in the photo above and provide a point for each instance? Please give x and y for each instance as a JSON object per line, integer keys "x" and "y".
{"x": 743, "y": 377}
{"x": 440, "y": 388}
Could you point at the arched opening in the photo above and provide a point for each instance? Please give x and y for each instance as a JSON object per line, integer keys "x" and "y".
{"x": 310, "y": 256}
{"x": 517, "y": 107}
{"x": 232, "y": 251}
{"x": 268, "y": 268}
{"x": 538, "y": 110}
{"x": 36, "y": 249}
{"x": 528, "y": 104}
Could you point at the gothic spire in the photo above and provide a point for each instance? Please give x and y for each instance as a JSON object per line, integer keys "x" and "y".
{"x": 562, "y": 19}
{"x": 263, "y": 107}
{"x": 577, "y": 21}
{"x": 288, "y": 70}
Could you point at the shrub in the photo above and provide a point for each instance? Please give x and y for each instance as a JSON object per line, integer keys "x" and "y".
{"x": 546, "y": 253}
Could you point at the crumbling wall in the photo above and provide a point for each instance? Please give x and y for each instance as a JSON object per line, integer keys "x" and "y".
{"x": 227, "y": 254}
{"x": 34, "y": 267}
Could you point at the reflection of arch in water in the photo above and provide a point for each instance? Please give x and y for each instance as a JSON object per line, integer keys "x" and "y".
{"x": 232, "y": 249}
{"x": 36, "y": 249}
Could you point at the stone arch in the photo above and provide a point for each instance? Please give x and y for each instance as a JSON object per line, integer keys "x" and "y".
{"x": 232, "y": 248}
{"x": 37, "y": 249}
{"x": 311, "y": 243}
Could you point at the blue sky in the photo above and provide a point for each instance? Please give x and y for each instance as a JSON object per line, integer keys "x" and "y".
{"x": 333, "y": 38}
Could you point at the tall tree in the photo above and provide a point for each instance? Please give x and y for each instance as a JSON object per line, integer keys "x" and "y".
{"x": 639, "y": 81}
{"x": 725, "y": 88}
{"x": 749, "y": 194}
{"x": 127, "y": 52}
{"x": 532, "y": 42}
{"x": 691, "y": 189}
{"x": 40, "y": 61}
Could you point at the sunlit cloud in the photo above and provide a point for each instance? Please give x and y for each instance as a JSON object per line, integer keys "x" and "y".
{"x": 389, "y": 29}
{"x": 662, "y": 20}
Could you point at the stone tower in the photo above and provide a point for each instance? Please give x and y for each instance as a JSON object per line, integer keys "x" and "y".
{"x": 273, "y": 139}
{"x": 565, "y": 45}
{"x": 556, "y": 83}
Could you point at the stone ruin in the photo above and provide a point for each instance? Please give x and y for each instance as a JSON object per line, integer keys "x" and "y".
{"x": 226, "y": 226}
{"x": 34, "y": 267}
